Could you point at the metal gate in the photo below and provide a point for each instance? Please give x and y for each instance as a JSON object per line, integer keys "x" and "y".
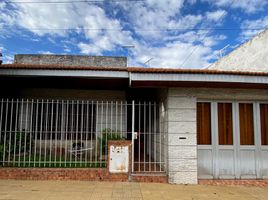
{"x": 148, "y": 139}
{"x": 74, "y": 133}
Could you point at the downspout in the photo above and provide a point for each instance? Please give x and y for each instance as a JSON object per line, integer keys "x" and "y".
{"x": 129, "y": 78}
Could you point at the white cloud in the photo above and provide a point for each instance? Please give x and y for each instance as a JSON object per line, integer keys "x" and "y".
{"x": 89, "y": 48}
{"x": 1, "y": 49}
{"x": 248, "y": 6}
{"x": 170, "y": 6}
{"x": 216, "y": 15}
{"x": 45, "y": 52}
{"x": 2, "y": 5}
{"x": 50, "y": 19}
{"x": 55, "y": 16}
{"x": 8, "y": 59}
{"x": 259, "y": 25}
{"x": 153, "y": 15}
{"x": 66, "y": 49}
{"x": 173, "y": 55}
{"x": 166, "y": 48}
{"x": 187, "y": 21}
{"x": 35, "y": 39}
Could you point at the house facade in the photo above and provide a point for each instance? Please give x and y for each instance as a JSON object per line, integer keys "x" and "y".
{"x": 60, "y": 111}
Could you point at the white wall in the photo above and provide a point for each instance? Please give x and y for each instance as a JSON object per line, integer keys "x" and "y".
{"x": 181, "y": 125}
{"x": 251, "y": 56}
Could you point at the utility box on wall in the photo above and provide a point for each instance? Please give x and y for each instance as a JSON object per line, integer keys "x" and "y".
{"x": 119, "y": 156}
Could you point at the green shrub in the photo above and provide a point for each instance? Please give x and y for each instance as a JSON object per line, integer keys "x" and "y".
{"x": 108, "y": 134}
{"x": 23, "y": 146}
{"x": 1, "y": 153}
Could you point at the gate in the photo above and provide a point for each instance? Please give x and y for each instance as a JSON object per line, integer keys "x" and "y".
{"x": 74, "y": 133}
{"x": 148, "y": 139}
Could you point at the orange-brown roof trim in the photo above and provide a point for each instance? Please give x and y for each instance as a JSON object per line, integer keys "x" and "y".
{"x": 194, "y": 71}
{"x": 59, "y": 67}
{"x": 130, "y": 69}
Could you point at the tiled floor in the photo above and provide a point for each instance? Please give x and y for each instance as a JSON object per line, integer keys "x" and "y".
{"x": 75, "y": 190}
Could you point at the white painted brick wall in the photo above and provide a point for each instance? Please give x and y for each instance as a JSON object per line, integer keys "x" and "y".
{"x": 183, "y": 165}
{"x": 180, "y": 102}
{"x": 181, "y": 125}
{"x": 180, "y": 152}
{"x": 182, "y": 114}
{"x": 183, "y": 177}
{"x": 174, "y": 139}
{"x": 176, "y": 126}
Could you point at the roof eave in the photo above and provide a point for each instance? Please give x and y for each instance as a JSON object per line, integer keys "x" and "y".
{"x": 188, "y": 77}
{"x": 64, "y": 73}
{"x": 133, "y": 77}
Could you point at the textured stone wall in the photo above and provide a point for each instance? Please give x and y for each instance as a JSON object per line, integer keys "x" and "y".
{"x": 182, "y": 148}
{"x": 71, "y": 60}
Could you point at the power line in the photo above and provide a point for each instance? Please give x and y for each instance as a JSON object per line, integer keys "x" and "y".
{"x": 136, "y": 30}
{"x": 191, "y": 53}
{"x": 66, "y": 2}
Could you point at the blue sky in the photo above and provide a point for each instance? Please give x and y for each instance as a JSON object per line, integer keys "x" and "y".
{"x": 170, "y": 33}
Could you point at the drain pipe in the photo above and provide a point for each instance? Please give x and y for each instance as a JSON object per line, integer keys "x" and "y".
{"x": 1, "y": 61}
{"x": 129, "y": 78}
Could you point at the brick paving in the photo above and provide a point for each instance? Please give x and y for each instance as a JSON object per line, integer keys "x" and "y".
{"x": 83, "y": 190}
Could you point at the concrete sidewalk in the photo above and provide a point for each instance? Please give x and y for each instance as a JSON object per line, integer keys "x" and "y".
{"x": 78, "y": 190}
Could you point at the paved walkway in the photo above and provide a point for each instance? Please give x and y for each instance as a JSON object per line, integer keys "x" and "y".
{"x": 75, "y": 190}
